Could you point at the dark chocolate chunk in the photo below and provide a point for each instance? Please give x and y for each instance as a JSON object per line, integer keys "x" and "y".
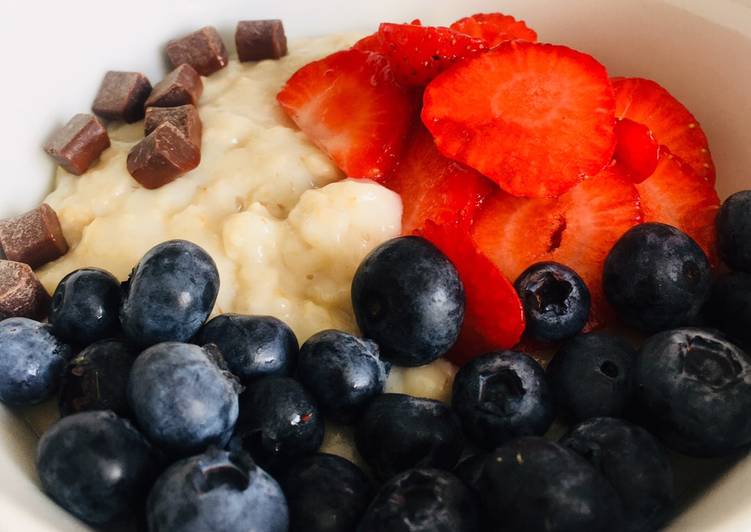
{"x": 182, "y": 86}
{"x": 204, "y": 50}
{"x": 185, "y": 118}
{"x": 121, "y": 96}
{"x": 34, "y": 238}
{"x": 21, "y": 293}
{"x": 78, "y": 144}
{"x": 162, "y": 157}
{"x": 260, "y": 39}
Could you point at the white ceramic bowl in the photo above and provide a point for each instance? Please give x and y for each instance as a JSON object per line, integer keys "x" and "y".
{"x": 54, "y": 54}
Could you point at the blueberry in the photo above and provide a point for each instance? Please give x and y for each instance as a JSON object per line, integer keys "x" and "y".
{"x": 591, "y": 375}
{"x": 556, "y": 301}
{"x": 278, "y": 421}
{"x": 534, "y": 485}
{"x": 325, "y": 493}
{"x": 695, "y": 389}
{"x": 633, "y": 462}
{"x": 407, "y": 296}
{"x": 470, "y": 469}
{"x": 170, "y": 294}
{"x": 85, "y": 306}
{"x": 96, "y": 466}
{"x": 216, "y": 491}
{"x": 399, "y": 432}
{"x": 734, "y": 231}
{"x": 656, "y": 277}
{"x": 97, "y": 379}
{"x": 422, "y": 500}
{"x": 32, "y": 360}
{"x": 502, "y": 395}
{"x": 253, "y": 346}
{"x": 182, "y": 397}
{"x": 729, "y": 307}
{"x": 343, "y": 372}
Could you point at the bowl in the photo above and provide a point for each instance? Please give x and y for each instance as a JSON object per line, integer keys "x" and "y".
{"x": 56, "y": 53}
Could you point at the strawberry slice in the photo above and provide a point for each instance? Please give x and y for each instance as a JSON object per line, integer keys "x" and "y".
{"x": 494, "y": 28}
{"x": 646, "y": 102}
{"x": 535, "y": 118}
{"x": 577, "y": 229}
{"x": 350, "y": 106}
{"x": 493, "y": 313}
{"x": 372, "y": 42}
{"x": 677, "y": 196}
{"x": 636, "y": 150}
{"x": 435, "y": 188}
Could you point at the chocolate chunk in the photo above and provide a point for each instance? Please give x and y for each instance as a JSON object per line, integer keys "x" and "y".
{"x": 162, "y": 157}
{"x": 78, "y": 144}
{"x": 182, "y": 86}
{"x": 185, "y": 118}
{"x": 204, "y": 50}
{"x": 260, "y": 39}
{"x": 121, "y": 96}
{"x": 21, "y": 293}
{"x": 34, "y": 238}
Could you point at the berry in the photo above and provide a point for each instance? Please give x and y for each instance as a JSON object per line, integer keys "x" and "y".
{"x": 556, "y": 301}
{"x": 536, "y": 485}
{"x": 501, "y": 396}
{"x": 217, "y": 491}
{"x": 470, "y": 469}
{"x": 85, "y": 306}
{"x": 351, "y": 107}
{"x": 97, "y": 379}
{"x": 325, "y": 493}
{"x": 656, "y": 277}
{"x": 182, "y": 397}
{"x": 31, "y": 361}
{"x": 342, "y": 372}
{"x": 633, "y": 462}
{"x": 636, "y": 149}
{"x": 729, "y": 307}
{"x": 96, "y": 466}
{"x": 170, "y": 294}
{"x": 408, "y": 298}
{"x": 422, "y": 500}
{"x": 592, "y": 376}
{"x": 398, "y": 432}
{"x": 489, "y": 113}
{"x": 694, "y": 387}
{"x": 734, "y": 231}
{"x": 252, "y": 346}
{"x": 494, "y": 28}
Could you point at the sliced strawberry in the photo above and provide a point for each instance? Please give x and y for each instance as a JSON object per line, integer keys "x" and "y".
{"x": 636, "y": 150}
{"x": 494, "y": 28}
{"x": 369, "y": 43}
{"x": 646, "y": 102}
{"x": 493, "y": 315}
{"x": 535, "y": 118}
{"x": 420, "y": 53}
{"x": 435, "y": 188}
{"x": 350, "y": 105}
{"x": 676, "y": 196}
{"x": 577, "y": 229}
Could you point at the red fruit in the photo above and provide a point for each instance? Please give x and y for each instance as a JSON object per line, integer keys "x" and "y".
{"x": 350, "y": 105}
{"x": 535, "y": 118}
{"x": 636, "y": 150}
{"x": 434, "y": 188}
{"x": 493, "y": 315}
{"x": 370, "y": 43}
{"x": 577, "y": 229}
{"x": 420, "y": 53}
{"x": 646, "y": 102}
{"x": 494, "y": 28}
{"x": 676, "y": 196}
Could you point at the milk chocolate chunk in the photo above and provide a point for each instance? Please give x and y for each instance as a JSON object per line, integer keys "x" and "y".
{"x": 260, "y": 39}
{"x": 121, "y": 96}
{"x": 162, "y": 157}
{"x": 185, "y": 118}
{"x": 182, "y": 86}
{"x": 21, "y": 293}
{"x": 78, "y": 144}
{"x": 34, "y": 238}
{"x": 204, "y": 50}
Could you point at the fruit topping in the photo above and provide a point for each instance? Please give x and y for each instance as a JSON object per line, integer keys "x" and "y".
{"x": 734, "y": 231}
{"x": 494, "y": 28}
{"x": 636, "y": 149}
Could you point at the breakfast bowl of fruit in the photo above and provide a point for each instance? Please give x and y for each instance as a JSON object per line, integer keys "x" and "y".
{"x": 408, "y": 267}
